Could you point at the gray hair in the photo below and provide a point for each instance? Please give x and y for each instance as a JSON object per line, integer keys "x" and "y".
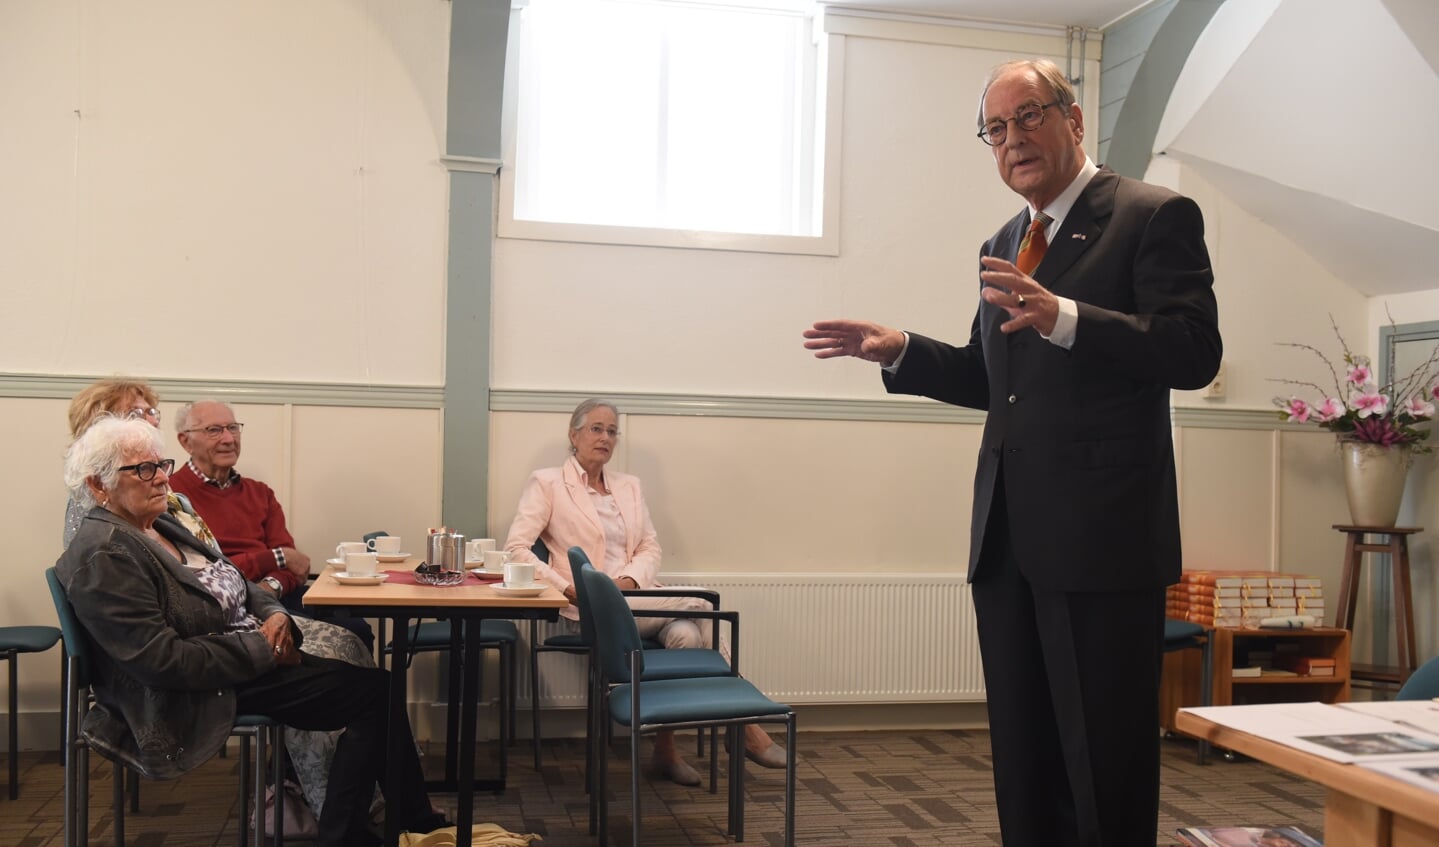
{"x": 582, "y": 411}
{"x": 182, "y": 417}
{"x": 1047, "y": 71}
{"x": 99, "y": 451}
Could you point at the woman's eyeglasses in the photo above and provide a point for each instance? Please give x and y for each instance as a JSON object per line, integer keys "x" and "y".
{"x": 146, "y": 470}
{"x": 141, "y": 414}
{"x": 600, "y": 429}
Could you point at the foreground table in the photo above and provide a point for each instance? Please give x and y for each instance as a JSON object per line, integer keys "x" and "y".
{"x": 472, "y": 602}
{"x": 1362, "y": 808}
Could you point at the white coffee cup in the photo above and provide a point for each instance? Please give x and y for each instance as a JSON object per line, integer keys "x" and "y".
{"x": 361, "y": 564}
{"x": 519, "y": 574}
{"x": 345, "y": 547}
{"x": 476, "y": 548}
{"x": 388, "y": 545}
{"x": 496, "y": 559}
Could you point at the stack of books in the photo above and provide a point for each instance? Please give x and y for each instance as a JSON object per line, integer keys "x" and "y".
{"x": 1241, "y": 599}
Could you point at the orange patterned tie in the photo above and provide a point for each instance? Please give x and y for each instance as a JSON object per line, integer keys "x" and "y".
{"x": 1031, "y": 249}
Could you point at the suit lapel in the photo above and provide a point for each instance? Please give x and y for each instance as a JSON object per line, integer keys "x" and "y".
{"x": 1082, "y": 229}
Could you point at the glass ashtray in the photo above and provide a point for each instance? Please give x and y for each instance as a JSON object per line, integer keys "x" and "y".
{"x": 432, "y": 575}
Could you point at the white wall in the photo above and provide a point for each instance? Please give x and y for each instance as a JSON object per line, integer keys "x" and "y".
{"x": 237, "y": 191}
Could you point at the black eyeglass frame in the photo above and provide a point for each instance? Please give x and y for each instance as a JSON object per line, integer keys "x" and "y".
{"x": 1003, "y": 125}
{"x": 146, "y": 470}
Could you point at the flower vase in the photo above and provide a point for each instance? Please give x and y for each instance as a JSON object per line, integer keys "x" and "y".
{"x": 1374, "y": 481}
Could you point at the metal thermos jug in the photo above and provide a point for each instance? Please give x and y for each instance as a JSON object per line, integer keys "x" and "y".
{"x": 446, "y": 549}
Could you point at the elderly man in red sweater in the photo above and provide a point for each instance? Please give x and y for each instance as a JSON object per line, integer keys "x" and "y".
{"x": 243, "y": 514}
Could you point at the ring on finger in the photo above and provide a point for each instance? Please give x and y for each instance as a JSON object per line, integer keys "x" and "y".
{"x": 1020, "y": 301}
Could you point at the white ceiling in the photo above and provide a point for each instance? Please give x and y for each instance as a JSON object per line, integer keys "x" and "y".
{"x": 1092, "y": 14}
{"x": 1335, "y": 150}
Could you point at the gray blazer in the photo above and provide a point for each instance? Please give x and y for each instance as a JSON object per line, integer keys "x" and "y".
{"x": 164, "y": 668}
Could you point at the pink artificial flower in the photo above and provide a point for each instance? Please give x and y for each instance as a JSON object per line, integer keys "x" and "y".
{"x": 1370, "y": 403}
{"x": 1418, "y": 407}
{"x": 1297, "y": 410}
{"x": 1360, "y": 374}
{"x": 1331, "y": 409}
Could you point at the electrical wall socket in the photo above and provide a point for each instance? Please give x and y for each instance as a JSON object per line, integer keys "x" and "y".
{"x": 1216, "y": 387}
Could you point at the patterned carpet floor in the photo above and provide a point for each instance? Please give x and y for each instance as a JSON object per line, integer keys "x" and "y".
{"x": 855, "y": 789}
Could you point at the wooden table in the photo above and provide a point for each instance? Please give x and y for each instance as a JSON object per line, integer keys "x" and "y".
{"x": 472, "y": 602}
{"x": 1362, "y": 808}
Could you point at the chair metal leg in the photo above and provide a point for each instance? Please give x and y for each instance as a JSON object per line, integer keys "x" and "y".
{"x": 535, "y": 690}
{"x": 132, "y": 784}
{"x": 789, "y": 779}
{"x": 10, "y": 655}
{"x": 1206, "y": 682}
{"x": 245, "y": 777}
{"x": 64, "y": 686}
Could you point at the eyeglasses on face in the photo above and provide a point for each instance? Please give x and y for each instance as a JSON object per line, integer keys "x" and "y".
{"x": 216, "y": 430}
{"x": 1029, "y": 118}
{"x": 141, "y": 414}
{"x": 146, "y": 470}
{"x": 598, "y": 430}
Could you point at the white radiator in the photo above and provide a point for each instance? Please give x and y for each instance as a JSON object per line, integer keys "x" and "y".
{"x": 825, "y": 638}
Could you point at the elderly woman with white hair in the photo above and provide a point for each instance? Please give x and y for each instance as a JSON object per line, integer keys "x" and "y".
{"x": 603, "y": 512}
{"x": 184, "y": 643}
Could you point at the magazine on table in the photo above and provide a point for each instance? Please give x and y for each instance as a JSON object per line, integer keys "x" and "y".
{"x": 1246, "y": 836}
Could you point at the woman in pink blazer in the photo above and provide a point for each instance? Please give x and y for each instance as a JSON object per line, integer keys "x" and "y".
{"x": 580, "y": 504}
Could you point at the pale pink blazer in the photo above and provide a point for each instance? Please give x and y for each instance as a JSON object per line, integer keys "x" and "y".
{"x": 556, "y": 508}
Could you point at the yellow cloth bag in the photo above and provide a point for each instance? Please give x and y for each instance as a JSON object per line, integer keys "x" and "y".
{"x": 481, "y": 835}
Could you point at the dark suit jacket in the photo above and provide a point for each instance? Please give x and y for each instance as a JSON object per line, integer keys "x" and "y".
{"x": 1084, "y": 434}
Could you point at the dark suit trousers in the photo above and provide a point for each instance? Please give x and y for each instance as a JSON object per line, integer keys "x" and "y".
{"x": 1072, "y": 681}
{"x": 328, "y": 694}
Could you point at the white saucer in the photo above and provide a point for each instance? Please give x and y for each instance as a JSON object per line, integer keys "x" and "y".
{"x": 339, "y": 563}
{"x": 373, "y": 579}
{"x": 392, "y": 557}
{"x": 534, "y": 589}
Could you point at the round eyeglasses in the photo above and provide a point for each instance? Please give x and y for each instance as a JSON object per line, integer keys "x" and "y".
{"x": 141, "y": 414}
{"x": 146, "y": 470}
{"x": 216, "y": 430}
{"x": 1029, "y": 118}
{"x": 598, "y": 430}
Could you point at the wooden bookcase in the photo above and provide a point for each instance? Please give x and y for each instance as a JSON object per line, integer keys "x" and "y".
{"x": 1232, "y": 644}
{"x": 1183, "y": 669}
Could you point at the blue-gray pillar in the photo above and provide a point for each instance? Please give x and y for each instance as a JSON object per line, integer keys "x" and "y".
{"x": 479, "y": 31}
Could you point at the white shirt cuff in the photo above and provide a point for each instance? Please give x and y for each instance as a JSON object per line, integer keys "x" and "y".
{"x": 1066, "y": 324}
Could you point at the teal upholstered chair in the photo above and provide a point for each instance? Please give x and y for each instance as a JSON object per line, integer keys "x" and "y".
{"x": 573, "y": 644}
{"x": 1183, "y": 635}
{"x": 631, "y": 698}
{"x": 1423, "y": 684}
{"x": 446, "y": 635}
{"x": 15, "y": 640}
{"x": 267, "y": 734}
{"x": 443, "y": 635}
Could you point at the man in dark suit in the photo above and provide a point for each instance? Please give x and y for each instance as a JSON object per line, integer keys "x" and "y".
{"x": 1084, "y": 326}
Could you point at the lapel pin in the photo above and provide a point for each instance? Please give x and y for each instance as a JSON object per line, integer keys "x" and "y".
{"x": 1081, "y": 236}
